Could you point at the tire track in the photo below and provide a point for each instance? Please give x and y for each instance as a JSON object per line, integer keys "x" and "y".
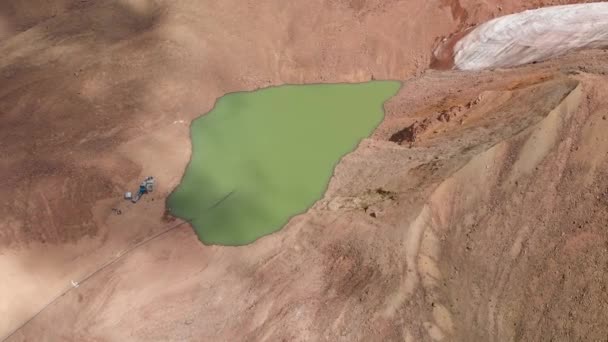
{"x": 120, "y": 256}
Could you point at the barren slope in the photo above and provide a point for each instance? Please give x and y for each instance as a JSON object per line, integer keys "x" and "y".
{"x": 493, "y": 212}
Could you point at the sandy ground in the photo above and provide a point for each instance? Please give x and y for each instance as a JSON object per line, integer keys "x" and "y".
{"x": 487, "y": 226}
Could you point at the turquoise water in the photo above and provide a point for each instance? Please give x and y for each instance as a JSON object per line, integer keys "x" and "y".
{"x": 261, "y": 157}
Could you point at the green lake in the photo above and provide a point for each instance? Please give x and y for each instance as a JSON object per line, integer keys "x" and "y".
{"x": 261, "y": 157}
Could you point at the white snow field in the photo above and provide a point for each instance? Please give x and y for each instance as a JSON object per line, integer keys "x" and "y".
{"x": 533, "y": 35}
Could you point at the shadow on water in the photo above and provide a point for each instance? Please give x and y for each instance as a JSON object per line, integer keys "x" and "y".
{"x": 221, "y": 210}
{"x": 222, "y": 205}
{"x": 260, "y": 159}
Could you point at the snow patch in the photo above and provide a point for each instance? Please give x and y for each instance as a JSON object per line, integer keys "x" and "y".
{"x": 533, "y": 35}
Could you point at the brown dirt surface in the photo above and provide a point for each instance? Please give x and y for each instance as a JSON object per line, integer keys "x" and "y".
{"x": 488, "y": 226}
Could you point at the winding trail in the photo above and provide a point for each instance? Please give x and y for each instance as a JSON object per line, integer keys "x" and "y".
{"x": 119, "y": 257}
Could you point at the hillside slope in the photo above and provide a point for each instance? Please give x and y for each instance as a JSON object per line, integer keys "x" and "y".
{"x": 485, "y": 188}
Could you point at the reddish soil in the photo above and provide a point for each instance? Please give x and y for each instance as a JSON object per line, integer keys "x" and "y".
{"x": 488, "y": 226}
{"x": 443, "y": 57}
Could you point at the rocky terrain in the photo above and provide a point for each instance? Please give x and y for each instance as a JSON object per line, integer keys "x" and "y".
{"x": 475, "y": 212}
